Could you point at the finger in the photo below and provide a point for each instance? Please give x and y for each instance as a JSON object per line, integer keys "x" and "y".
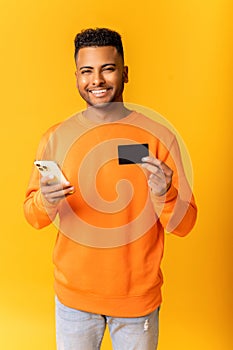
{"x": 46, "y": 180}
{"x": 152, "y": 160}
{"x": 159, "y": 185}
{"x": 53, "y": 188}
{"x": 157, "y": 179}
{"x": 56, "y": 196}
{"x": 158, "y": 163}
{"x": 61, "y": 192}
{"x": 153, "y": 169}
{"x": 50, "y": 180}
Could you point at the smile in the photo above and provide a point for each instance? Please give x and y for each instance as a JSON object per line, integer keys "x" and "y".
{"x": 98, "y": 92}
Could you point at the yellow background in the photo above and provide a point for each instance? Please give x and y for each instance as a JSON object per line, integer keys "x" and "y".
{"x": 180, "y": 59}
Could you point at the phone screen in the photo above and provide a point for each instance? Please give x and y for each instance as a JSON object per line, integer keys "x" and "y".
{"x": 132, "y": 154}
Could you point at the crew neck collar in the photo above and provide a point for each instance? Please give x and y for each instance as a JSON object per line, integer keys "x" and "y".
{"x": 88, "y": 122}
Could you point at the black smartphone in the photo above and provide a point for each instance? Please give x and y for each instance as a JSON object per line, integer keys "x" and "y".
{"x": 132, "y": 154}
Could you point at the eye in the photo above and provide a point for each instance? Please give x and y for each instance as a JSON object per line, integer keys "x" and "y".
{"x": 110, "y": 69}
{"x": 85, "y": 71}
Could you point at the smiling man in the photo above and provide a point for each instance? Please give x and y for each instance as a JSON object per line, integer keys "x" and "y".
{"x": 114, "y": 207}
{"x": 101, "y": 74}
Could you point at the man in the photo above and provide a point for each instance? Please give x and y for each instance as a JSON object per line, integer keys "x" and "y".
{"x": 113, "y": 210}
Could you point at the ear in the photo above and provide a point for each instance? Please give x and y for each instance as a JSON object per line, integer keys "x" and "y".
{"x": 125, "y": 74}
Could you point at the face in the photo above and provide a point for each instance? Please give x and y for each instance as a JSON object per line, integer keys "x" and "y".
{"x": 100, "y": 75}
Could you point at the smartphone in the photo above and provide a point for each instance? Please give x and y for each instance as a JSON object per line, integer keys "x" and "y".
{"x": 132, "y": 154}
{"x": 49, "y": 167}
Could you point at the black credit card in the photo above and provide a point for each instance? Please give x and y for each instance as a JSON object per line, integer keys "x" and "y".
{"x": 132, "y": 154}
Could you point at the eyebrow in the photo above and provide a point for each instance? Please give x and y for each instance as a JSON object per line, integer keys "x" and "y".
{"x": 104, "y": 65}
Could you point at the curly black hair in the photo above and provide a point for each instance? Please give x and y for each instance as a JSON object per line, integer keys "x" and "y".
{"x": 98, "y": 37}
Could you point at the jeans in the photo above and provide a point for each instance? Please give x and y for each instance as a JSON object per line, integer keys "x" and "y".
{"x": 79, "y": 330}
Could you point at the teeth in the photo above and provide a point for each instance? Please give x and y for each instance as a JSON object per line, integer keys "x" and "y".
{"x": 98, "y": 91}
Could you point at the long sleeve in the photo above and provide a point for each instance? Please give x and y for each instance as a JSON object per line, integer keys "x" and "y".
{"x": 38, "y": 212}
{"x": 176, "y": 209}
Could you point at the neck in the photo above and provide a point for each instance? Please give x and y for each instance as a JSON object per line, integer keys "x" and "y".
{"x": 106, "y": 113}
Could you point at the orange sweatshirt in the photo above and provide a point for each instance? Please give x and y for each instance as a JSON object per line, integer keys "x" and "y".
{"x": 110, "y": 239}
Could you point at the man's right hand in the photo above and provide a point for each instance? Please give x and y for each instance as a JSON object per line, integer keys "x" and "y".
{"x": 54, "y": 192}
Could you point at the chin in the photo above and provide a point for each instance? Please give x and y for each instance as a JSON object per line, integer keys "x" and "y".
{"x": 100, "y": 104}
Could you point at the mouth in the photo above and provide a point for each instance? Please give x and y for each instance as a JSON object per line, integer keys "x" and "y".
{"x": 99, "y": 92}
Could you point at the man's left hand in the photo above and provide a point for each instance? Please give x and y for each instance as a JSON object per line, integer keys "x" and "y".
{"x": 160, "y": 177}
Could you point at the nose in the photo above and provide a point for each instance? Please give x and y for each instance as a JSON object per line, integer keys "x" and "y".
{"x": 98, "y": 79}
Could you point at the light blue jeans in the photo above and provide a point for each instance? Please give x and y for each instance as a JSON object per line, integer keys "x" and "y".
{"x": 78, "y": 330}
